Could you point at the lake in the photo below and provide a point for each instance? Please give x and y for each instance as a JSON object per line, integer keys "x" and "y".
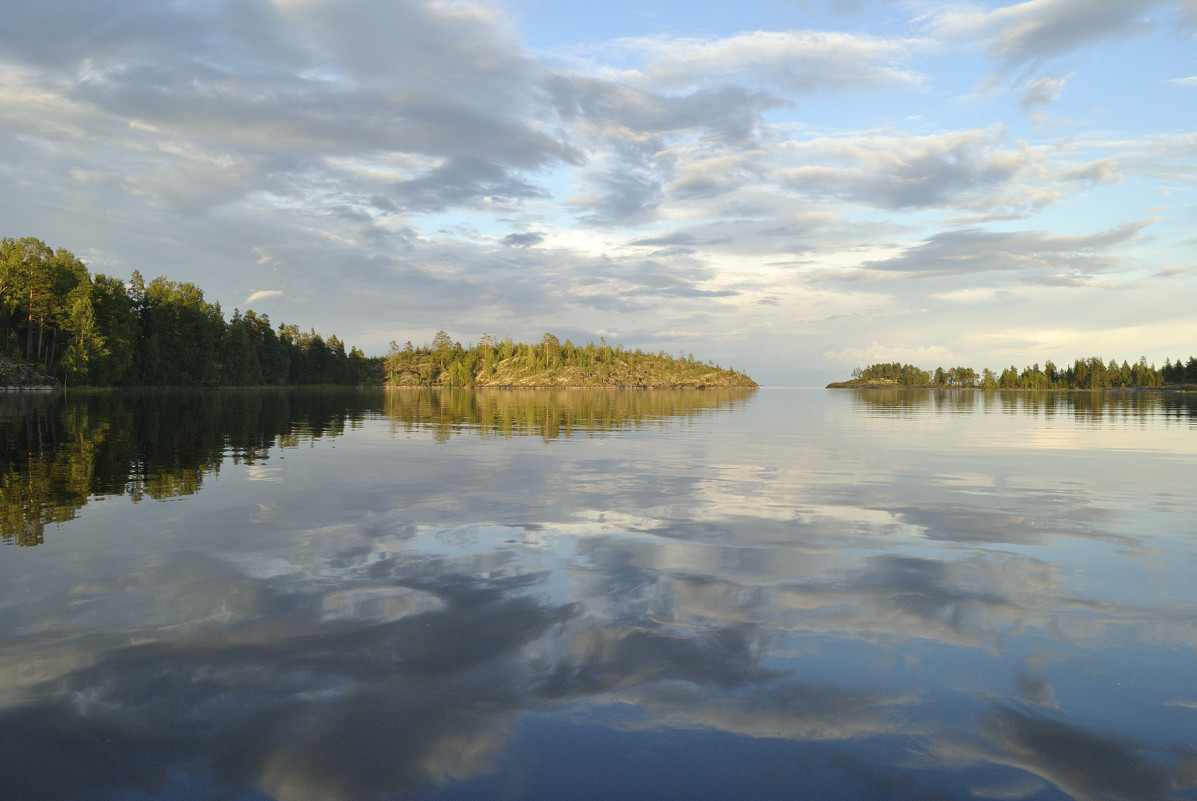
{"x": 781, "y": 594}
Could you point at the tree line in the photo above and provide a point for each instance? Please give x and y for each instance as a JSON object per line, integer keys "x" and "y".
{"x": 99, "y": 330}
{"x": 1090, "y": 373}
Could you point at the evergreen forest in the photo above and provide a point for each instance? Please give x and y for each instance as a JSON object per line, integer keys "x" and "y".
{"x": 82, "y": 329}
{"x": 1090, "y": 373}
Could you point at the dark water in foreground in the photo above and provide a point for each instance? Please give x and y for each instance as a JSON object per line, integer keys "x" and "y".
{"x": 792, "y": 594}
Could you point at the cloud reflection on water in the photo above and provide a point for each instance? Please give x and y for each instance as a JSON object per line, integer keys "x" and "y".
{"x": 411, "y": 633}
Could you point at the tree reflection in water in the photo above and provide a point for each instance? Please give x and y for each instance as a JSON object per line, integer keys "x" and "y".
{"x": 669, "y": 599}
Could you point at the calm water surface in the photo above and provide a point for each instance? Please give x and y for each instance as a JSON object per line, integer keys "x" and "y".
{"x": 787, "y": 594}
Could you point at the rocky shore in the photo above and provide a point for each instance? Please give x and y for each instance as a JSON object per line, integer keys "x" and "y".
{"x": 20, "y": 377}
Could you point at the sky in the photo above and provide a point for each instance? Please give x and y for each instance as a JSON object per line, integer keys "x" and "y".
{"x": 790, "y": 188}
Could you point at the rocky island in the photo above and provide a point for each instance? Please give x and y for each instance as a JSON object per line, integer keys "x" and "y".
{"x": 550, "y": 363}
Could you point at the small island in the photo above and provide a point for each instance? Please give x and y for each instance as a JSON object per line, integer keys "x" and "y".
{"x": 550, "y": 363}
{"x": 1090, "y": 373}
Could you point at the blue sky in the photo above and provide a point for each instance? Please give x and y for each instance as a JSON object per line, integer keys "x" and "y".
{"x": 794, "y": 188}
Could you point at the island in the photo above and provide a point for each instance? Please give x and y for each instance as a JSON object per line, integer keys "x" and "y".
{"x": 1089, "y": 373}
{"x": 550, "y": 363}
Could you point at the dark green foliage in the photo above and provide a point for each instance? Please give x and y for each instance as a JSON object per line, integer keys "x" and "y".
{"x": 96, "y": 330}
{"x": 906, "y": 375}
{"x": 1090, "y": 373}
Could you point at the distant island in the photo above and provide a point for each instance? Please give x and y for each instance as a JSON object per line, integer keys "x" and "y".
{"x": 1090, "y": 373}
{"x": 549, "y": 363}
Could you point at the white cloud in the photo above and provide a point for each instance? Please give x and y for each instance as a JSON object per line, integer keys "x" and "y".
{"x": 263, "y": 294}
{"x": 974, "y": 170}
{"x": 796, "y": 62}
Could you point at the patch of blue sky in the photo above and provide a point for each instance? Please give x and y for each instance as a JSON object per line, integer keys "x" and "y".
{"x": 1126, "y": 86}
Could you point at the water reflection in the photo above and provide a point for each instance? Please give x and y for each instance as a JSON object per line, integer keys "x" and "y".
{"x": 60, "y": 453}
{"x": 550, "y": 413}
{"x": 299, "y": 711}
{"x": 63, "y": 452}
{"x": 787, "y": 597}
{"x": 1115, "y": 405}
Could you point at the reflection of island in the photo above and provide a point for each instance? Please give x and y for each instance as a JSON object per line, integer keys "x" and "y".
{"x": 444, "y": 642}
{"x": 60, "y": 453}
{"x": 1089, "y": 405}
{"x": 550, "y": 413}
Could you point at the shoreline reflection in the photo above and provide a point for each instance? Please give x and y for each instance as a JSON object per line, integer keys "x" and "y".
{"x": 62, "y": 453}
{"x": 786, "y": 598}
{"x": 1096, "y": 406}
{"x": 551, "y": 413}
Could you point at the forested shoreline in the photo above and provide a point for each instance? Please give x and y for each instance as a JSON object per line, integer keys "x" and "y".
{"x": 76, "y": 328}
{"x": 64, "y": 325}
{"x": 1090, "y": 373}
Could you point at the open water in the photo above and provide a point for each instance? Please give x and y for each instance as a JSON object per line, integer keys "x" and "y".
{"x": 782, "y": 594}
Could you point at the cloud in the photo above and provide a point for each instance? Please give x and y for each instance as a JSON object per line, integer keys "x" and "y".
{"x": 251, "y": 98}
{"x": 1043, "y": 91}
{"x": 1029, "y": 34}
{"x": 263, "y": 294}
{"x": 978, "y": 170}
{"x": 526, "y": 240}
{"x": 1102, "y": 171}
{"x": 795, "y": 62}
{"x": 1043, "y": 256}
{"x": 601, "y": 110}
{"x": 1191, "y": 81}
